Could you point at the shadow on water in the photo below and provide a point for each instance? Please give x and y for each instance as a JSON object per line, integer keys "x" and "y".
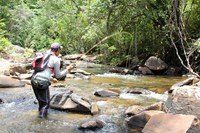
{"x": 19, "y": 113}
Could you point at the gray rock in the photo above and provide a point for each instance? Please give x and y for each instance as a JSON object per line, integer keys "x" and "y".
{"x": 106, "y": 93}
{"x": 184, "y": 98}
{"x": 70, "y": 101}
{"x": 154, "y": 63}
{"x": 139, "y": 121}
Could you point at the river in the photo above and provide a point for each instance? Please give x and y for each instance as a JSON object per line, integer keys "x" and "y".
{"x": 19, "y": 112}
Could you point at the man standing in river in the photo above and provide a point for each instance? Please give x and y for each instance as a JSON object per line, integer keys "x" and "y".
{"x": 41, "y": 80}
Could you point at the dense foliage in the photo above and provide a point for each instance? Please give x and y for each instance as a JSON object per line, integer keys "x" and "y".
{"x": 120, "y": 30}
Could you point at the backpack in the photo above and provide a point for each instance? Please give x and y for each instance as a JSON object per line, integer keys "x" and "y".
{"x": 40, "y": 63}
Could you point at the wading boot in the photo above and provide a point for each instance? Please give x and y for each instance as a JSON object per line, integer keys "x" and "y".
{"x": 43, "y": 112}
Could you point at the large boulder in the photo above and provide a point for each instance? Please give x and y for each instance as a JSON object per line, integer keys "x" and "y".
{"x": 169, "y": 123}
{"x": 17, "y": 68}
{"x": 18, "y": 49}
{"x": 139, "y": 120}
{"x": 8, "y": 82}
{"x": 156, "y": 65}
{"x": 184, "y": 98}
{"x": 160, "y": 122}
{"x": 4, "y": 67}
{"x": 70, "y": 101}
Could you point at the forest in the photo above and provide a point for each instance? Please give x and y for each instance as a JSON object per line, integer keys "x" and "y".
{"x": 121, "y": 32}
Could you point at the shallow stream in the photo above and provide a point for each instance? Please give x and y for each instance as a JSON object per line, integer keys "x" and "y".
{"x": 19, "y": 112}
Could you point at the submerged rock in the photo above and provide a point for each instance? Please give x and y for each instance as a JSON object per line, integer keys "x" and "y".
{"x": 106, "y": 93}
{"x": 139, "y": 91}
{"x": 91, "y": 125}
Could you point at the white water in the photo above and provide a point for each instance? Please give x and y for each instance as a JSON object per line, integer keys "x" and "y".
{"x": 115, "y": 75}
{"x": 143, "y": 97}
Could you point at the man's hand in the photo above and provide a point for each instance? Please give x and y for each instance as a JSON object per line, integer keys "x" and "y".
{"x": 54, "y": 80}
{"x": 70, "y": 67}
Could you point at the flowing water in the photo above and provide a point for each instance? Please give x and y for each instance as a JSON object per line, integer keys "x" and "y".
{"x": 19, "y": 112}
